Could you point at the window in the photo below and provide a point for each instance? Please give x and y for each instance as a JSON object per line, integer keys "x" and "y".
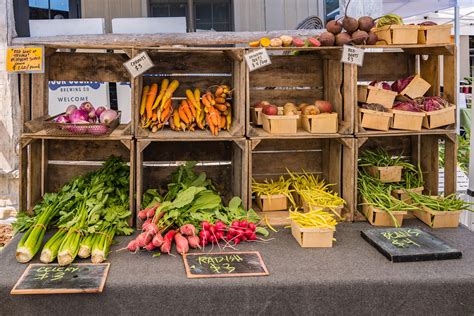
{"x": 209, "y": 14}
{"x": 49, "y": 9}
{"x": 332, "y": 9}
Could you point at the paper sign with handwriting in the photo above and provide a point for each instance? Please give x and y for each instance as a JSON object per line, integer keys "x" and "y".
{"x": 352, "y": 55}
{"x": 138, "y": 64}
{"x": 25, "y": 59}
{"x": 53, "y": 279}
{"x": 257, "y": 59}
{"x": 224, "y": 264}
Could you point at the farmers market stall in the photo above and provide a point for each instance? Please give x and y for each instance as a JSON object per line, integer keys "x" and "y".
{"x": 311, "y": 140}
{"x": 350, "y": 278}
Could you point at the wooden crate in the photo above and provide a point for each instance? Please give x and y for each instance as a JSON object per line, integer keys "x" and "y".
{"x": 194, "y": 68}
{"x": 424, "y": 60}
{"x": 435, "y": 34}
{"x": 224, "y": 161}
{"x": 331, "y": 159}
{"x": 313, "y": 75}
{"x": 70, "y": 66}
{"x": 423, "y": 149}
{"x": 47, "y": 164}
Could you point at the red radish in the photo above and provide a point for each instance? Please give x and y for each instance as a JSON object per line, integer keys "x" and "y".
{"x": 243, "y": 238}
{"x": 166, "y": 246}
{"x": 142, "y": 214}
{"x": 212, "y": 229}
{"x": 252, "y": 226}
{"x": 219, "y": 235}
{"x": 150, "y": 246}
{"x": 204, "y": 235}
{"x": 232, "y": 231}
{"x": 220, "y": 226}
{"x": 132, "y": 246}
{"x": 188, "y": 230}
{"x": 228, "y": 236}
{"x": 205, "y": 225}
{"x": 158, "y": 240}
{"x": 194, "y": 242}
{"x": 236, "y": 241}
{"x": 204, "y": 243}
{"x": 143, "y": 239}
{"x": 182, "y": 245}
{"x": 236, "y": 224}
{"x": 244, "y": 224}
{"x": 169, "y": 235}
{"x": 151, "y": 212}
{"x": 253, "y": 237}
{"x": 248, "y": 232}
{"x": 212, "y": 239}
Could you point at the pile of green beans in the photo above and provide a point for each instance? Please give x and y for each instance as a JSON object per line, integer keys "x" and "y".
{"x": 378, "y": 195}
{"x": 410, "y": 179}
{"x": 381, "y": 158}
{"x": 439, "y": 203}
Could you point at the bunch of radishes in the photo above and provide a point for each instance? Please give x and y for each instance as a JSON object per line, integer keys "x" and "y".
{"x": 85, "y": 114}
{"x": 238, "y": 231}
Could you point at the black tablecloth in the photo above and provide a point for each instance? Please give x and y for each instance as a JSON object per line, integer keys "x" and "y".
{"x": 350, "y": 278}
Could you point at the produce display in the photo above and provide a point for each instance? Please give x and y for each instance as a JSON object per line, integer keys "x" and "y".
{"x": 381, "y": 158}
{"x": 319, "y": 106}
{"x": 269, "y": 188}
{"x": 192, "y": 214}
{"x": 449, "y": 203}
{"x": 313, "y": 219}
{"x": 212, "y": 109}
{"x": 86, "y": 119}
{"x": 88, "y": 212}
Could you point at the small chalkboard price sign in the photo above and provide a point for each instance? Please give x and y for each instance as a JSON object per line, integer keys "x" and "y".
{"x": 409, "y": 244}
{"x": 224, "y": 264}
{"x": 54, "y": 279}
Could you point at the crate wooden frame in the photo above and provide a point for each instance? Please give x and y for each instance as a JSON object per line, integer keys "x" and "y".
{"x": 424, "y": 60}
{"x": 418, "y": 148}
{"x": 295, "y": 81}
{"x": 47, "y": 164}
{"x": 188, "y": 66}
{"x": 313, "y": 155}
{"x": 237, "y": 153}
{"x": 69, "y": 66}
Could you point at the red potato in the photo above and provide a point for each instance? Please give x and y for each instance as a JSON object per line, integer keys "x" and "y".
{"x": 188, "y": 230}
{"x": 158, "y": 240}
{"x": 182, "y": 245}
{"x": 194, "y": 242}
{"x": 270, "y": 109}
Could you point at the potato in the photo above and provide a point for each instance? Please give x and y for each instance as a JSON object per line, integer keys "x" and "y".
{"x": 301, "y": 106}
{"x": 287, "y": 40}
{"x": 276, "y": 42}
{"x": 310, "y": 110}
{"x": 290, "y": 109}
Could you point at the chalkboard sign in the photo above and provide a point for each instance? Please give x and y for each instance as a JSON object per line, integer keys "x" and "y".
{"x": 53, "y": 279}
{"x": 409, "y": 244}
{"x": 224, "y": 264}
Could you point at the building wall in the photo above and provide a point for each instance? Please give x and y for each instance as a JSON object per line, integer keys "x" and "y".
{"x": 109, "y": 9}
{"x": 464, "y": 59}
{"x": 270, "y": 15}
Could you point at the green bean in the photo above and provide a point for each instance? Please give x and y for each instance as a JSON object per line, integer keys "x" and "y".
{"x": 441, "y": 204}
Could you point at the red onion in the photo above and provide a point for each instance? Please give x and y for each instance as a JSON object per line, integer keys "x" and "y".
{"x": 401, "y": 84}
{"x": 380, "y": 85}
{"x": 108, "y": 116}
{"x": 407, "y": 106}
{"x": 92, "y": 115}
{"x": 62, "y": 119}
{"x": 70, "y": 108}
{"x": 99, "y": 110}
{"x": 78, "y": 115}
{"x": 86, "y": 106}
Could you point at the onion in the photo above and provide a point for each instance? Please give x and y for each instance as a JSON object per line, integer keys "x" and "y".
{"x": 62, "y": 119}
{"x": 92, "y": 115}
{"x": 78, "y": 115}
{"x": 99, "y": 110}
{"x": 86, "y": 106}
{"x": 108, "y": 116}
{"x": 70, "y": 108}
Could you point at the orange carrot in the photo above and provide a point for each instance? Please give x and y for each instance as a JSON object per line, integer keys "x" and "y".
{"x": 221, "y": 107}
{"x": 223, "y": 121}
{"x": 220, "y": 100}
{"x": 149, "y": 100}
{"x": 182, "y": 115}
{"x": 187, "y": 111}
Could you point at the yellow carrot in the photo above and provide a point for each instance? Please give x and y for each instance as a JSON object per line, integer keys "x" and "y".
{"x": 164, "y": 86}
{"x": 169, "y": 92}
{"x": 149, "y": 100}
{"x": 144, "y": 95}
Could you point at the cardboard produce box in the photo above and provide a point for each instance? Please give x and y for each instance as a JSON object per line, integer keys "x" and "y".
{"x": 435, "y": 34}
{"x": 370, "y": 94}
{"x": 276, "y": 202}
{"x": 376, "y": 120}
{"x": 416, "y": 88}
{"x": 324, "y": 123}
{"x": 377, "y": 217}
{"x": 280, "y": 124}
{"x": 385, "y": 174}
{"x": 443, "y": 117}
{"x": 406, "y": 120}
{"x": 438, "y": 219}
{"x": 396, "y": 34}
{"x": 312, "y": 237}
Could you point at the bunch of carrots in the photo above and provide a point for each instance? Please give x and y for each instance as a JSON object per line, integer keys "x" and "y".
{"x": 196, "y": 111}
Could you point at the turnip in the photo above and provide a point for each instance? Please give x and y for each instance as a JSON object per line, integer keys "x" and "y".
{"x": 79, "y": 117}
{"x": 99, "y": 110}
{"x": 70, "y": 108}
{"x": 194, "y": 242}
{"x": 92, "y": 115}
{"x": 158, "y": 240}
{"x": 108, "y": 116}
{"x": 86, "y": 106}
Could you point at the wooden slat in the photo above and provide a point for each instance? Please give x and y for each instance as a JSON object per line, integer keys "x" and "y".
{"x": 349, "y": 179}
{"x": 450, "y": 78}
{"x": 190, "y": 82}
{"x": 333, "y": 85}
{"x": 429, "y": 158}
{"x": 385, "y": 66}
{"x": 280, "y": 97}
{"x": 189, "y": 62}
{"x": 450, "y": 163}
{"x": 333, "y": 169}
{"x": 25, "y": 99}
{"x": 190, "y": 150}
{"x": 430, "y": 71}
{"x": 23, "y": 185}
{"x": 34, "y": 173}
{"x": 39, "y": 96}
{"x": 86, "y": 150}
{"x": 350, "y": 96}
{"x": 104, "y": 67}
